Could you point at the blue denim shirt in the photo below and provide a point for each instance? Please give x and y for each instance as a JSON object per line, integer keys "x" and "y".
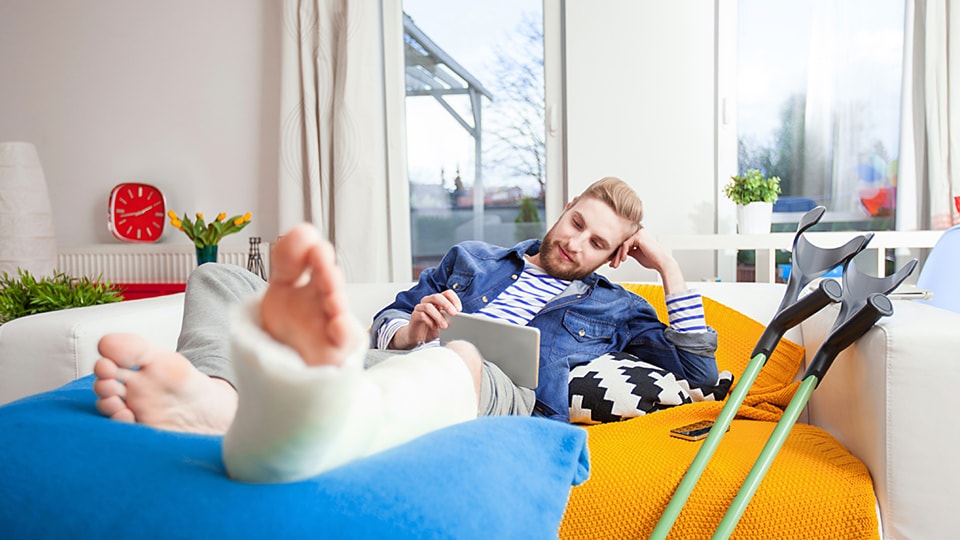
{"x": 591, "y": 317}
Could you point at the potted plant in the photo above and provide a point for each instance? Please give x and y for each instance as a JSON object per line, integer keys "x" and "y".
{"x": 754, "y": 195}
{"x": 27, "y": 295}
{"x": 206, "y": 236}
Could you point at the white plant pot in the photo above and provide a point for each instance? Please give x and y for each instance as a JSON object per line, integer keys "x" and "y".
{"x": 754, "y": 218}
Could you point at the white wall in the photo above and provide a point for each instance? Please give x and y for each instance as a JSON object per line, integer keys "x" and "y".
{"x": 183, "y": 94}
{"x": 640, "y": 104}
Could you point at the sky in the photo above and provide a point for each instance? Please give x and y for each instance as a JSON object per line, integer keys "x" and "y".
{"x": 469, "y": 32}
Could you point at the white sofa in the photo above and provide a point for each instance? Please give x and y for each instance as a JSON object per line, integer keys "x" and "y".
{"x": 889, "y": 398}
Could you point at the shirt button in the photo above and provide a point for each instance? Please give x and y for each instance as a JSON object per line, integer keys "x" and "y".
{"x": 484, "y": 298}
{"x": 455, "y": 285}
{"x": 513, "y": 276}
{"x": 582, "y": 333}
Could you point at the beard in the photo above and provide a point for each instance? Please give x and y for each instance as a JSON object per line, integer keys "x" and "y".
{"x": 554, "y": 264}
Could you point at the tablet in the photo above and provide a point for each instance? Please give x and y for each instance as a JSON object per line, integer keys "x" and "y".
{"x": 514, "y": 349}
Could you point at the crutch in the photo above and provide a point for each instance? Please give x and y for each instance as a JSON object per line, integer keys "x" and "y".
{"x": 809, "y": 262}
{"x": 863, "y": 303}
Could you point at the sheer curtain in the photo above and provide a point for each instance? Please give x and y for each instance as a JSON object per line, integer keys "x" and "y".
{"x": 333, "y": 169}
{"x": 849, "y": 143}
{"x": 930, "y": 170}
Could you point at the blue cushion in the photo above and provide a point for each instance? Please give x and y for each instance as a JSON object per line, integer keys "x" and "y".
{"x": 68, "y": 472}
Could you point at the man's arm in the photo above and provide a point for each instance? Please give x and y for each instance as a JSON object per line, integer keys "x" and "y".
{"x": 642, "y": 247}
{"x": 416, "y": 315}
{"x": 426, "y": 320}
{"x": 688, "y": 331}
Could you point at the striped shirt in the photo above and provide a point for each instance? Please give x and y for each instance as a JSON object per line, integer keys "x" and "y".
{"x": 518, "y": 304}
{"x": 685, "y": 311}
{"x": 526, "y": 296}
{"x": 534, "y": 289}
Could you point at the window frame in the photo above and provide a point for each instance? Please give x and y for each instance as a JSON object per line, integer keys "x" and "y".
{"x": 401, "y": 255}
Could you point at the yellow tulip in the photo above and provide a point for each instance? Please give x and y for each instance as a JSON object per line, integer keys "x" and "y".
{"x": 199, "y": 215}
{"x": 246, "y": 217}
{"x": 172, "y": 214}
{"x": 221, "y": 216}
{"x": 176, "y": 223}
{"x": 238, "y": 222}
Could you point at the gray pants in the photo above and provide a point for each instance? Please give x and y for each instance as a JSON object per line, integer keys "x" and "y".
{"x": 204, "y": 337}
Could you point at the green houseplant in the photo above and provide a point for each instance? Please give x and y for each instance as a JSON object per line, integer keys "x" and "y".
{"x": 752, "y": 186}
{"x": 26, "y": 295}
{"x": 754, "y": 195}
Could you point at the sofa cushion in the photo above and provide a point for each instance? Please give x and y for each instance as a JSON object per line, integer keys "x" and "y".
{"x": 69, "y": 472}
{"x": 617, "y": 386}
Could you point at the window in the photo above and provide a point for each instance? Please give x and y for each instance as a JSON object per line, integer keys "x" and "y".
{"x": 818, "y": 104}
{"x": 474, "y": 123}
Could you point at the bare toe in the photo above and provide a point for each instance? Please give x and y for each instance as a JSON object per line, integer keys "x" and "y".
{"x": 138, "y": 382}
{"x": 115, "y": 408}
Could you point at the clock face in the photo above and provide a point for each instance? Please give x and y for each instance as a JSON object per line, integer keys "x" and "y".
{"x": 137, "y": 212}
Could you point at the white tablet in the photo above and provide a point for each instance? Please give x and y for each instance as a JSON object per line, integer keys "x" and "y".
{"x": 514, "y": 349}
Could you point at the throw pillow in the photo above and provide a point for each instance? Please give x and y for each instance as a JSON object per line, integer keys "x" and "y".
{"x": 619, "y": 386}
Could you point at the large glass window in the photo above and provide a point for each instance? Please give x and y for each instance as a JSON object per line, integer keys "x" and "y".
{"x": 818, "y": 104}
{"x": 475, "y": 123}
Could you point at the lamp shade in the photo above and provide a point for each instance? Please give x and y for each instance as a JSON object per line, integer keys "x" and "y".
{"x": 27, "y": 239}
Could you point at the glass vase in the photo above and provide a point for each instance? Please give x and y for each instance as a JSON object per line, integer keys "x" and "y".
{"x": 206, "y": 254}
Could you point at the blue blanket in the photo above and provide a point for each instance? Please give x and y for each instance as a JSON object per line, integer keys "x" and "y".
{"x": 67, "y": 472}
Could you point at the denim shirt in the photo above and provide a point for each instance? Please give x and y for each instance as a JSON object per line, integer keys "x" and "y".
{"x": 591, "y": 317}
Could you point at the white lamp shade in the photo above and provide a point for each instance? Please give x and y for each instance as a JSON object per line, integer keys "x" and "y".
{"x": 27, "y": 238}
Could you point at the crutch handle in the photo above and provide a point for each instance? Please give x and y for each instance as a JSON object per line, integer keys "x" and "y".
{"x": 876, "y": 306}
{"x": 829, "y": 291}
{"x": 863, "y": 303}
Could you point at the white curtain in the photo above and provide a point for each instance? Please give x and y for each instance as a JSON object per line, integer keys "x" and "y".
{"x": 333, "y": 149}
{"x": 847, "y": 152}
{"x": 930, "y": 170}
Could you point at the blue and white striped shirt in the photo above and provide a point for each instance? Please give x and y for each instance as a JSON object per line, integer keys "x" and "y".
{"x": 534, "y": 289}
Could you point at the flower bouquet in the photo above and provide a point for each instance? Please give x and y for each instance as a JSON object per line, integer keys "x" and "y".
{"x": 206, "y": 236}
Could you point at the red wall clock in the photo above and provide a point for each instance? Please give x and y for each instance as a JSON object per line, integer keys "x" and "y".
{"x": 137, "y": 212}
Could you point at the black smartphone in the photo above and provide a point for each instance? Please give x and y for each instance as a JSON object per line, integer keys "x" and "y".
{"x": 693, "y": 432}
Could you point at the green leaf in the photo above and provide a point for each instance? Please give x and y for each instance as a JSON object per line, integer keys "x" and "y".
{"x": 28, "y": 295}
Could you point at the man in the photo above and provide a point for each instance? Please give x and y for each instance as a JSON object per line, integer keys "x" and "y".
{"x": 306, "y": 403}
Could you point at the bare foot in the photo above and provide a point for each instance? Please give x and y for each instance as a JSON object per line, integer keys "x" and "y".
{"x": 137, "y": 382}
{"x": 304, "y": 305}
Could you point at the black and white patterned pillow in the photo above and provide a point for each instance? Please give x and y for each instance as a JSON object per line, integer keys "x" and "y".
{"x": 618, "y": 386}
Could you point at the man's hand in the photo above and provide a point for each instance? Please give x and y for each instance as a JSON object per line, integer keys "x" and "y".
{"x": 642, "y": 247}
{"x": 427, "y": 320}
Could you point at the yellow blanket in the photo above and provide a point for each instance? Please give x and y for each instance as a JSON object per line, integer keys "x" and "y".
{"x": 814, "y": 489}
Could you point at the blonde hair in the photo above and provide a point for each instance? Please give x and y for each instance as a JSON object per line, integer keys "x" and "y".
{"x": 619, "y": 196}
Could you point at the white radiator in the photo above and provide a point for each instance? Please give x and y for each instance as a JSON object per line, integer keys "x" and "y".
{"x": 147, "y": 263}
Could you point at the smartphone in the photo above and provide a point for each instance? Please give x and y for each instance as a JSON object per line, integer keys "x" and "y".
{"x": 693, "y": 432}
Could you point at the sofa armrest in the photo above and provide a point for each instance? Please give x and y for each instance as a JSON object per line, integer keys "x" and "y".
{"x": 891, "y": 399}
{"x": 44, "y": 351}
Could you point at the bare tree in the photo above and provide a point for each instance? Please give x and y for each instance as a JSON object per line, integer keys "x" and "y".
{"x": 517, "y": 116}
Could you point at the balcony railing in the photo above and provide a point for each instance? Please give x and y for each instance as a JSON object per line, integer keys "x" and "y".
{"x": 872, "y": 260}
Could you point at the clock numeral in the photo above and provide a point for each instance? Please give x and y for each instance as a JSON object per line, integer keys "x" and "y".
{"x": 130, "y": 228}
{"x": 130, "y": 193}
